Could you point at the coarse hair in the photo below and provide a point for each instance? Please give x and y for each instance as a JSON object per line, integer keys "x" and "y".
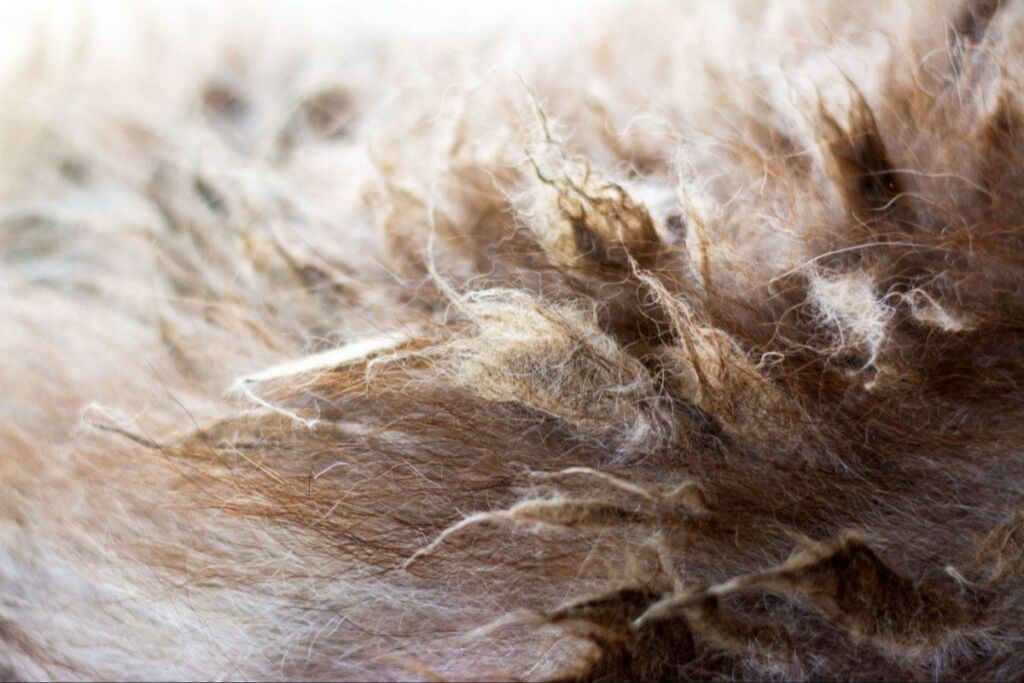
{"x": 684, "y": 342}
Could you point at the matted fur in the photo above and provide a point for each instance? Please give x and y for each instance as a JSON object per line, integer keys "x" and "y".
{"x": 667, "y": 342}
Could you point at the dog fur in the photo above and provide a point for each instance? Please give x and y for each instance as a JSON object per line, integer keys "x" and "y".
{"x": 668, "y": 341}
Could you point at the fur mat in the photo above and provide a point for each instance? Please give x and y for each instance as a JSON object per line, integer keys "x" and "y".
{"x": 674, "y": 341}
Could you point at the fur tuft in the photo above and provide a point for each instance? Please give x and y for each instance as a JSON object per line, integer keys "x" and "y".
{"x": 639, "y": 341}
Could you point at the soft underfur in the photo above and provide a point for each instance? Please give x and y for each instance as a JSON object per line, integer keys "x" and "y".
{"x": 661, "y": 341}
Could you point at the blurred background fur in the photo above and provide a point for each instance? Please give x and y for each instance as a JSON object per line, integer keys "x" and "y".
{"x": 558, "y": 341}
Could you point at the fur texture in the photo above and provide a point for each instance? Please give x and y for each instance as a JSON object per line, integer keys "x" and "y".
{"x": 648, "y": 342}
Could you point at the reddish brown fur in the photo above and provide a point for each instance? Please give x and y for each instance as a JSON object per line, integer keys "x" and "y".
{"x": 607, "y": 425}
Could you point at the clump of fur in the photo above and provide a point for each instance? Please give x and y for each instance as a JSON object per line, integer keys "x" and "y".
{"x": 540, "y": 369}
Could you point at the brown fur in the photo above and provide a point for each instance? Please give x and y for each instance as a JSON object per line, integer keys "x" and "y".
{"x": 702, "y": 377}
